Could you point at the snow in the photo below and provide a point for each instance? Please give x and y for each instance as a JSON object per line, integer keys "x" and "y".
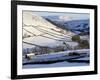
{"x": 86, "y": 37}
{"x": 72, "y": 44}
{"x": 29, "y": 18}
{"x": 39, "y": 31}
{"x": 27, "y": 46}
{"x": 76, "y": 26}
{"x": 84, "y": 58}
{"x": 41, "y": 41}
{"x": 42, "y": 32}
{"x": 58, "y": 56}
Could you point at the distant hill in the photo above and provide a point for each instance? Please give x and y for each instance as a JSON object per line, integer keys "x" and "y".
{"x": 80, "y": 27}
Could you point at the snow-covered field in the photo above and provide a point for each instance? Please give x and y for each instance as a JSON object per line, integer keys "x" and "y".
{"x": 37, "y": 31}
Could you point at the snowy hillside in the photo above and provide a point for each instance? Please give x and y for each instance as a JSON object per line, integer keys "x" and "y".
{"x": 79, "y": 26}
{"x": 39, "y": 31}
{"x": 41, "y": 35}
{"x": 54, "y": 40}
{"x": 31, "y": 20}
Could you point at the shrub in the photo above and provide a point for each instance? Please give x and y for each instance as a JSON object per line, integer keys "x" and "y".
{"x": 76, "y": 38}
{"x": 74, "y": 54}
{"x": 84, "y": 44}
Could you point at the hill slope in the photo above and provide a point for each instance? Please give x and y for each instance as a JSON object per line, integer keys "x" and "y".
{"x": 37, "y": 30}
